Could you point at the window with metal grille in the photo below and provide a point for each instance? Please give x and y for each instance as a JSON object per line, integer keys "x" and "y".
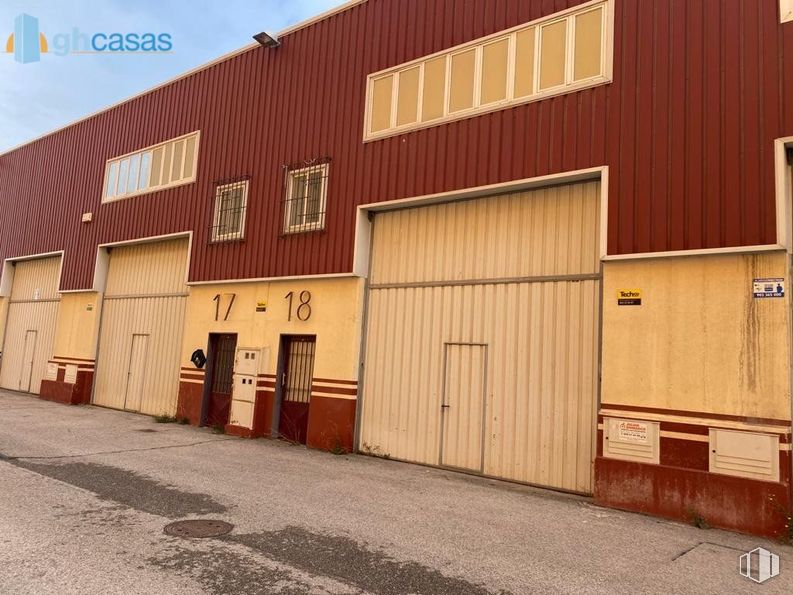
{"x": 231, "y": 201}
{"x": 299, "y": 369}
{"x": 306, "y": 197}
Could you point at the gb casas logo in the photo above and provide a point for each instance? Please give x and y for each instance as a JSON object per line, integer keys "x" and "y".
{"x": 28, "y": 43}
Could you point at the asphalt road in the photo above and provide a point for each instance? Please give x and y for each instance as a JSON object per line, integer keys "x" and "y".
{"x": 86, "y": 492}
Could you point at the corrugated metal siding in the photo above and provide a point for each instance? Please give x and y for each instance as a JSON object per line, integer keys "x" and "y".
{"x": 33, "y": 307}
{"x": 686, "y": 127}
{"x": 497, "y": 237}
{"x": 145, "y": 269}
{"x": 541, "y": 343}
{"x": 145, "y": 287}
{"x": 162, "y": 320}
{"x": 16, "y": 366}
{"x": 36, "y": 279}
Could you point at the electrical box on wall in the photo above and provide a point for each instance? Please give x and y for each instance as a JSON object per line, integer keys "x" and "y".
{"x": 70, "y": 375}
{"x": 745, "y": 454}
{"x": 251, "y": 361}
{"x": 241, "y": 414}
{"x": 247, "y": 361}
{"x": 631, "y": 440}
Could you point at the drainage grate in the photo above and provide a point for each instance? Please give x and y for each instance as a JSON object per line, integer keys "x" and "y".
{"x": 198, "y": 528}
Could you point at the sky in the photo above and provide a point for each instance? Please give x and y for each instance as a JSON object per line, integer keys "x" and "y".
{"x": 38, "y": 97}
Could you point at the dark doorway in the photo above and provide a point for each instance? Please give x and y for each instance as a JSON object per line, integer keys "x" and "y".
{"x": 219, "y": 379}
{"x": 297, "y": 371}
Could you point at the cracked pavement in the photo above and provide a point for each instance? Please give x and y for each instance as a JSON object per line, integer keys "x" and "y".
{"x": 85, "y": 493}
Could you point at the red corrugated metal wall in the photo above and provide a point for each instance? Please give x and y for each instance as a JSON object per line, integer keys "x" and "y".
{"x": 699, "y": 94}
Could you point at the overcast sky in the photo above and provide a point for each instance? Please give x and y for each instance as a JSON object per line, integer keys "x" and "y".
{"x": 41, "y": 96}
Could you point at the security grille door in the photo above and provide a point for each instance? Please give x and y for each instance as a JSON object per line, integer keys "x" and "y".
{"x": 27, "y": 362}
{"x": 462, "y": 409}
{"x": 221, "y": 379}
{"x": 298, "y": 371}
{"x": 136, "y": 375}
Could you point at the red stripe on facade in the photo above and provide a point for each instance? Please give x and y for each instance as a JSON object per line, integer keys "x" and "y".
{"x": 58, "y": 358}
{"x": 668, "y": 426}
{"x": 331, "y": 381}
{"x": 334, "y": 390}
{"x": 704, "y": 416}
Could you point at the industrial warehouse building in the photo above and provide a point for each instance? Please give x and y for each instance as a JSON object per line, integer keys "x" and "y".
{"x": 546, "y": 242}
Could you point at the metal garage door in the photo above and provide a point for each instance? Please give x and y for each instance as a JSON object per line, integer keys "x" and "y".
{"x": 30, "y": 327}
{"x": 141, "y": 333}
{"x": 482, "y": 336}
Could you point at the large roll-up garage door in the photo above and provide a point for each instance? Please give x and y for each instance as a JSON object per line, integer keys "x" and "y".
{"x": 482, "y": 336}
{"x": 30, "y": 327}
{"x": 142, "y": 323}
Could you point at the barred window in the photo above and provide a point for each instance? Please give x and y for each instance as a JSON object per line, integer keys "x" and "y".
{"x": 306, "y": 198}
{"x": 231, "y": 201}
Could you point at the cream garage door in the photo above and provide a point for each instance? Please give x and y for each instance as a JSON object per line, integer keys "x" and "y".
{"x": 30, "y": 327}
{"x": 482, "y": 336}
{"x": 141, "y": 332}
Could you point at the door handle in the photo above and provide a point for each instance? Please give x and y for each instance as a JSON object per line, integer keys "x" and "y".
{"x": 445, "y": 406}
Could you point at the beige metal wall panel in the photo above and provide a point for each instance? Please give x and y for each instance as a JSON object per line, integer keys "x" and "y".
{"x": 700, "y": 341}
{"x": 536, "y": 340}
{"x": 142, "y": 328}
{"x": 30, "y": 325}
{"x": 36, "y": 279}
{"x": 148, "y": 269}
{"x": 119, "y": 375}
{"x": 24, "y": 365}
{"x": 551, "y": 231}
{"x": 542, "y": 341}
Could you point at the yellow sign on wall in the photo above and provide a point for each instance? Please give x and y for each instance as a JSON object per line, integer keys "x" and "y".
{"x": 629, "y": 297}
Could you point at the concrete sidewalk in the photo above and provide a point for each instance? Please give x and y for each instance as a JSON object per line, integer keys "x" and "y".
{"x": 85, "y": 494}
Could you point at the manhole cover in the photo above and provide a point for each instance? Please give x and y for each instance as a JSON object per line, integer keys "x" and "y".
{"x": 198, "y": 528}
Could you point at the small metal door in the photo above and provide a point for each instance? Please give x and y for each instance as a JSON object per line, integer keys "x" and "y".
{"x": 136, "y": 373}
{"x": 463, "y": 406}
{"x": 297, "y": 371}
{"x": 29, "y": 352}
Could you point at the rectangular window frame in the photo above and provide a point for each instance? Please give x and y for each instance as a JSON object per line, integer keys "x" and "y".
{"x": 291, "y": 174}
{"x": 570, "y": 86}
{"x": 216, "y": 212}
{"x": 106, "y": 198}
